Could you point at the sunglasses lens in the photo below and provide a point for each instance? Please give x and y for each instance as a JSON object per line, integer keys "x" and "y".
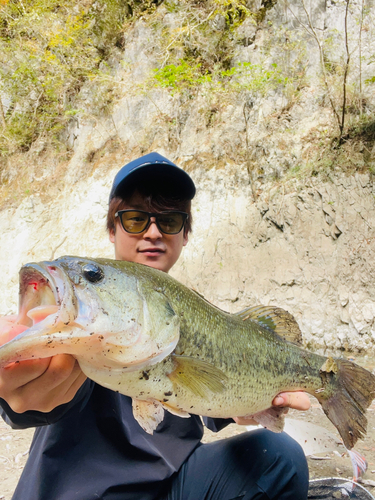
{"x": 134, "y": 221}
{"x": 171, "y": 223}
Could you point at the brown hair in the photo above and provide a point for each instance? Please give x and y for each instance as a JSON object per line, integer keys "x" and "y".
{"x": 154, "y": 202}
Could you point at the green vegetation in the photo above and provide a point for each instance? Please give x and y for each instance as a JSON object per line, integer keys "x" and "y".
{"x": 180, "y": 77}
{"x": 58, "y": 60}
{"x": 49, "y": 49}
{"x": 254, "y": 78}
{"x": 198, "y": 55}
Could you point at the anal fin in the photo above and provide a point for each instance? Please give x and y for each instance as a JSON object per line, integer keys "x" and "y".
{"x": 273, "y": 418}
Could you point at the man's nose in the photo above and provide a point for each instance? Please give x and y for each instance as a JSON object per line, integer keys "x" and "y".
{"x": 153, "y": 231}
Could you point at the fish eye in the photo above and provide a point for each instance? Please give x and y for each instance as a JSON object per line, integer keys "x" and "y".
{"x": 93, "y": 273}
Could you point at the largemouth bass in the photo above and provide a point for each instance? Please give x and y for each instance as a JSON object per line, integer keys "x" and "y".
{"x": 138, "y": 331}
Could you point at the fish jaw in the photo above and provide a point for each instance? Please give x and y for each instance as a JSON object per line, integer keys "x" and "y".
{"x": 48, "y": 316}
{"x": 46, "y": 284}
{"x": 36, "y": 342}
{"x": 62, "y": 312}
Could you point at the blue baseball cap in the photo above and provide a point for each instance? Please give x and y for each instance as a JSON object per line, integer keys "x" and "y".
{"x": 154, "y": 170}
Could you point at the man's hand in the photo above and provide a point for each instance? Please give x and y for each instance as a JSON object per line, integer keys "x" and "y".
{"x": 40, "y": 384}
{"x": 9, "y": 328}
{"x": 296, "y": 400}
{"x": 37, "y": 384}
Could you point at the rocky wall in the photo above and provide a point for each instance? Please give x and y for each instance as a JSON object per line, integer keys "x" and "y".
{"x": 309, "y": 249}
{"x": 305, "y": 245}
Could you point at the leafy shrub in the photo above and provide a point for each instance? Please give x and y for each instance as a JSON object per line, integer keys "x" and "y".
{"x": 48, "y": 50}
{"x": 244, "y": 76}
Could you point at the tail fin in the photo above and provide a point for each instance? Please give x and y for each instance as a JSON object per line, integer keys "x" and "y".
{"x": 353, "y": 393}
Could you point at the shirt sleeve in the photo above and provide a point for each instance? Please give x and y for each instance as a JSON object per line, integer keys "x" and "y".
{"x": 217, "y": 424}
{"x": 38, "y": 418}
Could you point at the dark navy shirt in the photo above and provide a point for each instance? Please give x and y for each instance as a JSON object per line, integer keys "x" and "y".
{"x": 93, "y": 448}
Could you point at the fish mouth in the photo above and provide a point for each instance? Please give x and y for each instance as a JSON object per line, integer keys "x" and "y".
{"x": 46, "y": 297}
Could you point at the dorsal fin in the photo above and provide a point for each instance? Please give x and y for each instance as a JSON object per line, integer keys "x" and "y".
{"x": 275, "y": 318}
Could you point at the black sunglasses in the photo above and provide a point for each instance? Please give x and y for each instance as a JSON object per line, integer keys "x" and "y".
{"x": 137, "y": 221}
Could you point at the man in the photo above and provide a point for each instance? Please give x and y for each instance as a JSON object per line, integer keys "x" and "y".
{"x": 87, "y": 444}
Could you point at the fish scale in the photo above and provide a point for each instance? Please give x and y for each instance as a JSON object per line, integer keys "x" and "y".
{"x": 136, "y": 330}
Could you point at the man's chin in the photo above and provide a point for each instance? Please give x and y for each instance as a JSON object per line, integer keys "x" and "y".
{"x": 155, "y": 261}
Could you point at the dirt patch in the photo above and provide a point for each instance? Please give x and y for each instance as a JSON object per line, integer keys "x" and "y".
{"x": 14, "y": 447}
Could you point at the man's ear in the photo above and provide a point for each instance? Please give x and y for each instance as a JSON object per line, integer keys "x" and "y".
{"x": 112, "y": 235}
{"x": 186, "y": 238}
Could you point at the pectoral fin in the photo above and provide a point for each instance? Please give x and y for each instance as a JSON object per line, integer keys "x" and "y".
{"x": 199, "y": 377}
{"x": 148, "y": 414}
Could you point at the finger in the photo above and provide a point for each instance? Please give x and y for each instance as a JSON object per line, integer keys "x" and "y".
{"x": 63, "y": 393}
{"x": 56, "y": 386}
{"x": 60, "y": 368}
{"x": 74, "y": 387}
{"x": 21, "y": 373}
{"x": 10, "y": 318}
{"x": 6, "y": 320}
{"x": 295, "y": 400}
{"x": 9, "y": 330}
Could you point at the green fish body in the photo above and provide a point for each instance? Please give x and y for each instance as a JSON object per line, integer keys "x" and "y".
{"x": 138, "y": 331}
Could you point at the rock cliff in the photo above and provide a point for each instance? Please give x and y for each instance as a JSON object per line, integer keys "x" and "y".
{"x": 270, "y": 226}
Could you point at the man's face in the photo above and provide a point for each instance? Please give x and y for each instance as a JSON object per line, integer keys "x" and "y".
{"x": 152, "y": 247}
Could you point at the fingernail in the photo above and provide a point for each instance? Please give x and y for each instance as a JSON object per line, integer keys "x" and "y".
{"x": 278, "y": 401}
